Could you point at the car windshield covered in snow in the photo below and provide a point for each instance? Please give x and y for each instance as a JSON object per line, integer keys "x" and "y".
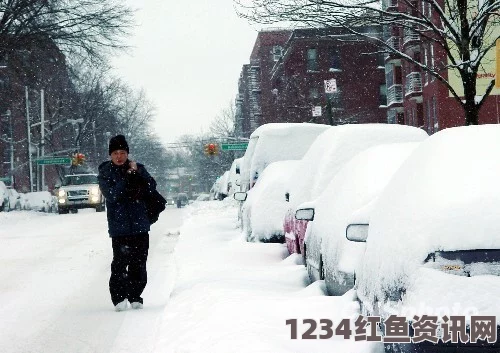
{"x": 80, "y": 179}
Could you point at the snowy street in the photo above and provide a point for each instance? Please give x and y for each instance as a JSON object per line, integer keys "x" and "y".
{"x": 215, "y": 293}
{"x": 54, "y": 284}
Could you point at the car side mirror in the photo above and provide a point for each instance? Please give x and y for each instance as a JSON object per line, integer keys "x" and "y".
{"x": 357, "y": 232}
{"x": 237, "y": 170}
{"x": 240, "y": 196}
{"x": 305, "y": 214}
{"x": 287, "y": 197}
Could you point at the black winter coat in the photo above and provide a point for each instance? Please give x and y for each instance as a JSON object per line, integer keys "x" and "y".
{"x": 126, "y": 208}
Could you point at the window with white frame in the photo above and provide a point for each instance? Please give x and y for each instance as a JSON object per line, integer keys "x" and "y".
{"x": 335, "y": 59}
{"x": 426, "y": 63}
{"x": 312, "y": 62}
{"x": 277, "y": 52}
{"x": 434, "y": 113}
{"x": 431, "y": 47}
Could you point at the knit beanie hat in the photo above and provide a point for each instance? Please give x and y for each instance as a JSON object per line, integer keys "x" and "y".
{"x": 118, "y": 143}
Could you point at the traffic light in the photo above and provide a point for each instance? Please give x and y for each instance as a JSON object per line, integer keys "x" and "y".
{"x": 77, "y": 159}
{"x": 211, "y": 149}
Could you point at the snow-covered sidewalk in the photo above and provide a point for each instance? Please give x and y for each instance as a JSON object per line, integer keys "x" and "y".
{"x": 235, "y": 297}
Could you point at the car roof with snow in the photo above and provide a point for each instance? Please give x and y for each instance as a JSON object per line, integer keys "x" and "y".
{"x": 278, "y": 141}
{"x": 335, "y": 147}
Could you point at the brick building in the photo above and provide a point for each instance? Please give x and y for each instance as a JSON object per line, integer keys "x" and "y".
{"x": 254, "y": 85}
{"x": 285, "y": 79}
{"x": 312, "y": 56}
{"x": 414, "y": 97}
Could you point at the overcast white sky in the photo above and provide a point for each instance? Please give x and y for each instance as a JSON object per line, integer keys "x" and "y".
{"x": 187, "y": 56}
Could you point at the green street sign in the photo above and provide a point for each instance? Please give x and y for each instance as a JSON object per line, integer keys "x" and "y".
{"x": 234, "y": 146}
{"x": 54, "y": 160}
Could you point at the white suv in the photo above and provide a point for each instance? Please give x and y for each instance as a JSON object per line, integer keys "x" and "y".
{"x": 80, "y": 191}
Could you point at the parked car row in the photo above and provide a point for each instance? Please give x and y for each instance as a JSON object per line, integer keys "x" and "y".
{"x": 408, "y": 222}
{"x": 11, "y": 200}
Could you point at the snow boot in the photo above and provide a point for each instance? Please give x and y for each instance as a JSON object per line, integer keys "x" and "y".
{"x": 121, "y": 306}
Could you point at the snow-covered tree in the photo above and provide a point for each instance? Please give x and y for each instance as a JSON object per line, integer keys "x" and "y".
{"x": 464, "y": 30}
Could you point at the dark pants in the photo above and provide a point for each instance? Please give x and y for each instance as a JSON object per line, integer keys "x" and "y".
{"x": 128, "y": 269}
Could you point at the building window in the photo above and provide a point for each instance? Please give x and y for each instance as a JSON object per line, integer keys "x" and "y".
{"x": 335, "y": 59}
{"x": 277, "y": 52}
{"x": 381, "y": 60}
{"x": 434, "y": 115}
{"x": 312, "y": 62}
{"x": 391, "y": 116}
{"x": 426, "y": 63}
{"x": 432, "y": 60}
{"x": 428, "y": 117}
{"x": 383, "y": 95}
{"x": 389, "y": 75}
{"x": 313, "y": 93}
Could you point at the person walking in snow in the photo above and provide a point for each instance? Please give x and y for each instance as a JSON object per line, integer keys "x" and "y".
{"x": 125, "y": 183}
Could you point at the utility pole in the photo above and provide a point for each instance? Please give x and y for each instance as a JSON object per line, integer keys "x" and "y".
{"x": 7, "y": 117}
{"x": 42, "y": 135}
{"x": 11, "y": 132}
{"x": 29, "y": 137}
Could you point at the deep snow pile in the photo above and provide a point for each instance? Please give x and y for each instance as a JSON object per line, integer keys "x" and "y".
{"x": 233, "y": 296}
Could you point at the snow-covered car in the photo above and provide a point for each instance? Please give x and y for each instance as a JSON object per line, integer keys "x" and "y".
{"x": 265, "y": 204}
{"x": 325, "y": 158}
{"x": 41, "y": 201}
{"x": 203, "y": 197}
{"x": 224, "y": 186}
{"x": 234, "y": 176}
{"x": 14, "y": 199}
{"x": 4, "y": 197}
{"x": 433, "y": 245}
{"x": 79, "y": 191}
{"x": 276, "y": 142}
{"x": 24, "y": 200}
{"x": 214, "y": 190}
{"x": 181, "y": 199}
{"x": 330, "y": 256}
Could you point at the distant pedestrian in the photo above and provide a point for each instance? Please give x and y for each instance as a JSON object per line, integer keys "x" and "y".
{"x": 125, "y": 184}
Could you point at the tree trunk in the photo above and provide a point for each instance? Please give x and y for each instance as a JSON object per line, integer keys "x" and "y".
{"x": 471, "y": 114}
{"x": 471, "y": 108}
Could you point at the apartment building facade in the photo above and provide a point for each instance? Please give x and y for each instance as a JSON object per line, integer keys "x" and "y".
{"x": 285, "y": 80}
{"x": 254, "y": 85}
{"x": 327, "y": 76}
{"x": 414, "y": 96}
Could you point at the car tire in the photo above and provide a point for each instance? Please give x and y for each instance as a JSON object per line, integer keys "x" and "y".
{"x": 100, "y": 208}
